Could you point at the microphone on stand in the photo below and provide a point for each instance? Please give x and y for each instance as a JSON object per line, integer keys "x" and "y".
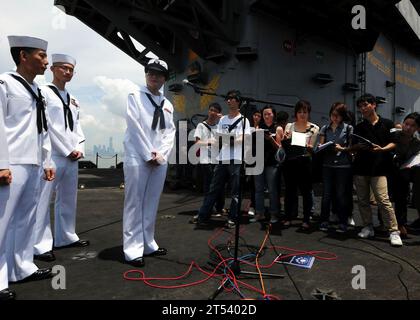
{"x": 193, "y": 85}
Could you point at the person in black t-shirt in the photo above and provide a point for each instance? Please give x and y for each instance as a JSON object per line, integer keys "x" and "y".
{"x": 269, "y": 176}
{"x": 406, "y": 168}
{"x": 372, "y": 144}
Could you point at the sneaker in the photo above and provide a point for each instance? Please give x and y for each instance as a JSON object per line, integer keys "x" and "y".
{"x": 251, "y": 212}
{"x": 194, "y": 219}
{"x": 367, "y": 232}
{"x": 258, "y": 218}
{"x": 305, "y": 226}
{"x": 274, "y": 220}
{"x": 350, "y": 222}
{"x": 286, "y": 223}
{"x": 225, "y": 212}
{"x": 230, "y": 224}
{"x": 395, "y": 239}
{"x": 216, "y": 214}
{"x": 342, "y": 228}
{"x": 324, "y": 226}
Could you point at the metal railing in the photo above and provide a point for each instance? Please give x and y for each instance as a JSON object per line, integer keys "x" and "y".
{"x": 106, "y": 158}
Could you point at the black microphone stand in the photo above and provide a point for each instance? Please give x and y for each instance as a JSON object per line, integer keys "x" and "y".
{"x": 236, "y": 269}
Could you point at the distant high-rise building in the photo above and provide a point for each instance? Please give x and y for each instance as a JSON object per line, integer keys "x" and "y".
{"x": 102, "y": 150}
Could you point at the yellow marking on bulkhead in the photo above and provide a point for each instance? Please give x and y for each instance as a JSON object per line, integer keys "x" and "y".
{"x": 179, "y": 102}
{"x": 213, "y": 85}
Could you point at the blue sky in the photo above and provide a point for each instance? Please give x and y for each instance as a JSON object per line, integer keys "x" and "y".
{"x": 104, "y": 74}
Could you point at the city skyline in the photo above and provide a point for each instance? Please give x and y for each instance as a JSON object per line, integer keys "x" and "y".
{"x": 101, "y": 90}
{"x": 104, "y": 150}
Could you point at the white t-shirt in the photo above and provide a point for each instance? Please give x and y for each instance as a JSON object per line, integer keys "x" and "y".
{"x": 229, "y": 151}
{"x": 204, "y": 134}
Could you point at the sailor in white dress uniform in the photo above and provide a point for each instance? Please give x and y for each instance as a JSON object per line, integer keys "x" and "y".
{"x": 5, "y": 180}
{"x": 68, "y": 146}
{"x": 148, "y": 142}
{"x": 29, "y": 148}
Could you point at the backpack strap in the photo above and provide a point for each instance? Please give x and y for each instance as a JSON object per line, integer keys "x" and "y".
{"x": 233, "y": 125}
{"x": 206, "y": 125}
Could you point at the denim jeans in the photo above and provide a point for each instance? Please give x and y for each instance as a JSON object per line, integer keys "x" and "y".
{"x": 222, "y": 173}
{"x": 207, "y": 171}
{"x": 336, "y": 182}
{"x": 270, "y": 178}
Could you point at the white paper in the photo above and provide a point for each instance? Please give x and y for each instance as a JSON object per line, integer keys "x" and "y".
{"x": 412, "y": 162}
{"x": 299, "y": 139}
{"x": 323, "y": 146}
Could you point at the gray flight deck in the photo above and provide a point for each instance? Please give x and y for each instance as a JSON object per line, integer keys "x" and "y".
{"x": 96, "y": 272}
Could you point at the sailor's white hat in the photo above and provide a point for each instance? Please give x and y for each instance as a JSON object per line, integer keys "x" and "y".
{"x": 157, "y": 65}
{"x": 27, "y": 42}
{"x": 63, "y": 58}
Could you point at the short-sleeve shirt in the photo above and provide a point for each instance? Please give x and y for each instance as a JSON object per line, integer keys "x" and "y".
{"x": 404, "y": 151}
{"x": 371, "y": 164}
{"x": 205, "y": 132}
{"x": 232, "y": 151}
{"x": 341, "y": 136}
{"x": 293, "y": 152}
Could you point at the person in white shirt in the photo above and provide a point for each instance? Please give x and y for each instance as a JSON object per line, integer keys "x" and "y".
{"x": 5, "y": 181}
{"x": 230, "y": 160}
{"x": 67, "y": 140}
{"x": 29, "y": 147}
{"x": 297, "y": 168}
{"x": 205, "y": 140}
{"x": 148, "y": 142}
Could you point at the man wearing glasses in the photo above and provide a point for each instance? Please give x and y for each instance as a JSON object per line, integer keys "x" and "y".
{"x": 68, "y": 141}
{"x": 230, "y": 129}
{"x": 373, "y": 161}
{"x": 148, "y": 142}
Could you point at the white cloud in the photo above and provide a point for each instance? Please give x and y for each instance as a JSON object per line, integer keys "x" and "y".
{"x": 104, "y": 73}
{"x": 90, "y": 121}
{"x": 116, "y": 92}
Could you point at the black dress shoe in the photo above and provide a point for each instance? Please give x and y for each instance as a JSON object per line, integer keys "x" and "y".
{"x": 77, "y": 244}
{"x": 47, "y": 256}
{"x": 158, "y": 252}
{"x": 7, "y": 294}
{"x": 138, "y": 262}
{"x": 40, "y": 274}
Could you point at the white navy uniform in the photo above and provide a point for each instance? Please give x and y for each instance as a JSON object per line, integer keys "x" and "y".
{"x": 64, "y": 141}
{"x": 28, "y": 151}
{"x": 4, "y": 192}
{"x": 144, "y": 182}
